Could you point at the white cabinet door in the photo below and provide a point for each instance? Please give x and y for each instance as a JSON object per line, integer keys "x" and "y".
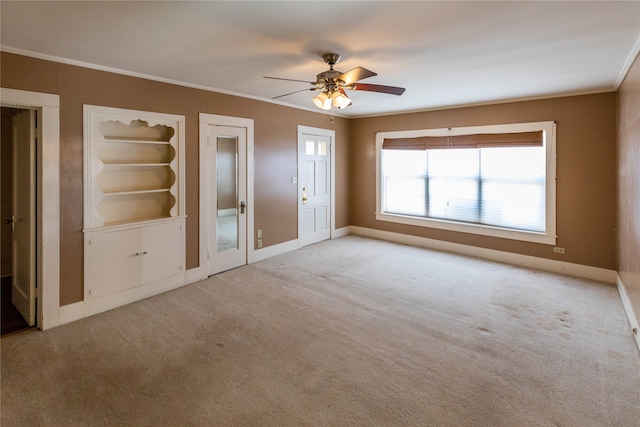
{"x": 115, "y": 262}
{"x": 161, "y": 251}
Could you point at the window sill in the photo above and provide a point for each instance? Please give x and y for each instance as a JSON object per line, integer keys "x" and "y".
{"x": 483, "y": 230}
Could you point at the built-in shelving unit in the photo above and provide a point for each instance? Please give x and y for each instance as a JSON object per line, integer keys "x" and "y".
{"x": 134, "y": 214}
{"x": 132, "y": 166}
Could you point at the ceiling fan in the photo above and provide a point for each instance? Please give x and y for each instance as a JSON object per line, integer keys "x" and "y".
{"x": 333, "y": 83}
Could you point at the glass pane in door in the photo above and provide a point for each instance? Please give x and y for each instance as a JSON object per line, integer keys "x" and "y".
{"x": 322, "y": 148}
{"x": 227, "y": 193}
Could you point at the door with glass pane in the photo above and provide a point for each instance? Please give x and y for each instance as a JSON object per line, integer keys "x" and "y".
{"x": 227, "y": 175}
{"x": 314, "y": 186}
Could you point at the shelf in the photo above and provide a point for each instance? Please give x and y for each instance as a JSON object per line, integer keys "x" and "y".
{"x": 134, "y": 205}
{"x": 121, "y": 193}
{"x": 134, "y": 178}
{"x": 110, "y": 226}
{"x": 119, "y": 165}
{"x": 123, "y": 153}
{"x": 135, "y": 141}
{"x": 135, "y": 220}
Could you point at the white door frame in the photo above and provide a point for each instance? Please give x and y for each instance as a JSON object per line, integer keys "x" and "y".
{"x": 205, "y": 121}
{"x": 331, "y": 135}
{"x": 47, "y": 107}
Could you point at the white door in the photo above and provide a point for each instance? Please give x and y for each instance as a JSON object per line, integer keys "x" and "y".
{"x": 23, "y": 294}
{"x": 314, "y": 186}
{"x": 227, "y": 179}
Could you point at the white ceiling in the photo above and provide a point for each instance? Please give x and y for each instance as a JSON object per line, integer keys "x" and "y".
{"x": 445, "y": 54}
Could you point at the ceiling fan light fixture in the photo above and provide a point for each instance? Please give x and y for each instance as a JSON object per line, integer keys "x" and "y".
{"x": 340, "y": 100}
{"x": 322, "y": 100}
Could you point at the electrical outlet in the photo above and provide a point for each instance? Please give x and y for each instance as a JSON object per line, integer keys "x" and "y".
{"x": 294, "y": 179}
{"x": 558, "y": 250}
{"x": 259, "y": 243}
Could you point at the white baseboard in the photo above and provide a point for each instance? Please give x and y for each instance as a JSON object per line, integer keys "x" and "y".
{"x": 79, "y": 310}
{"x": 270, "y": 251}
{"x": 553, "y": 266}
{"x": 340, "y": 232}
{"x": 95, "y": 305}
{"x": 99, "y": 304}
{"x": 628, "y": 309}
{"x": 194, "y": 275}
{"x": 72, "y": 312}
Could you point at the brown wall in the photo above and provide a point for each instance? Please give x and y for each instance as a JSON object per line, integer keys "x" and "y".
{"x": 275, "y": 149}
{"x": 629, "y": 185}
{"x": 586, "y": 170}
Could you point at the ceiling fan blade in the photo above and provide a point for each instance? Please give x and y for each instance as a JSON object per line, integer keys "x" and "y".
{"x": 354, "y": 75}
{"x": 296, "y": 91}
{"x": 289, "y": 80}
{"x": 392, "y": 90}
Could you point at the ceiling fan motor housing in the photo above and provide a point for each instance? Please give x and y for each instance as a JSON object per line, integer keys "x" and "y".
{"x": 328, "y": 78}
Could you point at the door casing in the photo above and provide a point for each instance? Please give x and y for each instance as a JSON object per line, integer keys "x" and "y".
{"x": 206, "y": 192}
{"x": 47, "y": 108}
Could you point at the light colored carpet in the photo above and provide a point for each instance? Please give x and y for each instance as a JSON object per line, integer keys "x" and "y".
{"x": 349, "y": 332}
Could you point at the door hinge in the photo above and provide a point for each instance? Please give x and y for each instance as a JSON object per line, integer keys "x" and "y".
{"x": 208, "y": 255}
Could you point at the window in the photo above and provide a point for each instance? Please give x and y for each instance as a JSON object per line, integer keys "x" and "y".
{"x": 491, "y": 180}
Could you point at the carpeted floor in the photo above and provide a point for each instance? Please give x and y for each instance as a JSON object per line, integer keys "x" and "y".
{"x": 349, "y": 332}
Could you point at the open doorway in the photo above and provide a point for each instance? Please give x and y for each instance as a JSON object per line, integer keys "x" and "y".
{"x": 18, "y": 216}
{"x": 47, "y": 172}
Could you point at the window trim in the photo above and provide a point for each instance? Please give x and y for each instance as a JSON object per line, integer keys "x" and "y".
{"x": 548, "y": 237}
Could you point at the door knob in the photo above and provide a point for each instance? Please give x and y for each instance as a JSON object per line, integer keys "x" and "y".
{"x": 243, "y": 205}
{"x": 11, "y": 221}
{"x": 304, "y": 195}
